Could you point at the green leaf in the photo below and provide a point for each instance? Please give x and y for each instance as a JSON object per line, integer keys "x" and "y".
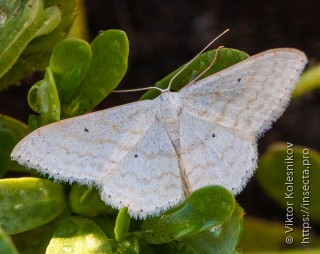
{"x": 223, "y": 240}
{"x": 121, "y": 228}
{"x": 134, "y": 243}
{"x": 309, "y": 81}
{"x": 79, "y": 236}
{"x": 6, "y": 245}
{"x": 69, "y": 63}
{"x": 11, "y": 131}
{"x": 36, "y": 240}
{"x": 205, "y": 208}
{"x": 14, "y": 29}
{"x": 19, "y": 129}
{"x": 219, "y": 241}
{"x": 27, "y": 203}
{"x": 7, "y": 143}
{"x": 86, "y": 201}
{"x": 129, "y": 245}
{"x": 31, "y": 32}
{"x": 23, "y": 67}
{"x": 290, "y": 175}
{"x": 47, "y": 21}
{"x": 110, "y": 50}
{"x": 68, "y": 12}
{"x": 107, "y": 225}
{"x": 226, "y": 58}
{"x": 43, "y": 98}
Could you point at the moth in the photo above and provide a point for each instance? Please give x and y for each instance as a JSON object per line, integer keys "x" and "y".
{"x": 149, "y": 155}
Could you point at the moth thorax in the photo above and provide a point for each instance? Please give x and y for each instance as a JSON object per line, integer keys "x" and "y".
{"x": 169, "y": 116}
{"x": 169, "y": 107}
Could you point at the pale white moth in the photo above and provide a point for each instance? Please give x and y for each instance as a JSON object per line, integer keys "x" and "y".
{"x": 149, "y": 155}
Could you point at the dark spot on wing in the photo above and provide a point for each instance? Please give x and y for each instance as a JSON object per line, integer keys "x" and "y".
{"x": 136, "y": 156}
{"x": 213, "y": 135}
{"x": 86, "y": 130}
{"x": 239, "y": 79}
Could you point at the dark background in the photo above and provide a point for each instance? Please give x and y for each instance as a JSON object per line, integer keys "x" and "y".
{"x": 165, "y": 34}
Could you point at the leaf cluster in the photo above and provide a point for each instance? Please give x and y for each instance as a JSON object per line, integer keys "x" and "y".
{"x": 42, "y": 216}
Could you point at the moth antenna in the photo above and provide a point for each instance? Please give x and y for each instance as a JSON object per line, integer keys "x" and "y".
{"x": 170, "y": 83}
{"x": 212, "y": 62}
{"x": 137, "y": 89}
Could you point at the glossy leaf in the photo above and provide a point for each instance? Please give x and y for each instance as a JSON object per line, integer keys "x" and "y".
{"x": 69, "y": 63}
{"x": 122, "y": 224}
{"x": 45, "y": 43}
{"x": 17, "y": 17}
{"x": 205, "y": 208}
{"x": 47, "y": 21}
{"x": 226, "y": 58}
{"x": 30, "y": 33}
{"x": 86, "y": 201}
{"x": 27, "y": 203}
{"x": 290, "y": 175}
{"x": 222, "y": 240}
{"x": 309, "y": 81}
{"x": 79, "y": 236}
{"x": 109, "y": 62}
{"x": 43, "y": 98}
{"x": 6, "y": 245}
